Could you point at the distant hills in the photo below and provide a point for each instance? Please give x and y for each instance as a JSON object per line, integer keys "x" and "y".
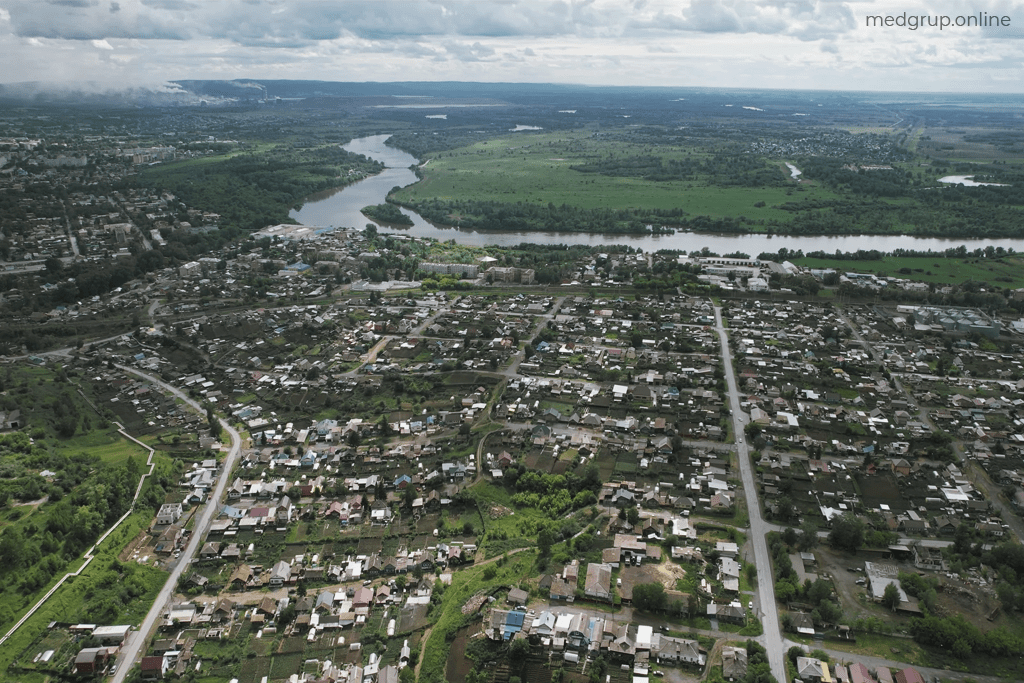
{"x": 189, "y": 93}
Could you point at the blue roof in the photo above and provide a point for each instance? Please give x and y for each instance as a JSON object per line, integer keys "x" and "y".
{"x": 513, "y": 624}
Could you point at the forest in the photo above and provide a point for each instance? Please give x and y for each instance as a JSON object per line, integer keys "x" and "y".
{"x": 721, "y": 168}
{"x": 57, "y": 492}
{"x": 494, "y": 215}
{"x": 258, "y": 188}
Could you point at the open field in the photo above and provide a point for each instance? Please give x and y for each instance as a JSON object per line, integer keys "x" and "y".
{"x": 537, "y": 169}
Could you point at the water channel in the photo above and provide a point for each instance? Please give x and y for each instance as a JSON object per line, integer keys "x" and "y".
{"x": 341, "y": 208}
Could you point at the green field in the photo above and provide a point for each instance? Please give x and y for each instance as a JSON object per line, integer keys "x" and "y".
{"x": 1004, "y": 272}
{"x": 536, "y": 169}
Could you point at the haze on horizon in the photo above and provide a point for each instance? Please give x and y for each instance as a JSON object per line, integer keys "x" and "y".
{"x": 795, "y": 44}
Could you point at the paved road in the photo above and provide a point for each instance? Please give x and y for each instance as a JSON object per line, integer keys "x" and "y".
{"x": 137, "y": 640}
{"x": 765, "y": 594}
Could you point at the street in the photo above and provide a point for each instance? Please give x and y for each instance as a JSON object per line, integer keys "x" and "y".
{"x": 136, "y": 642}
{"x": 765, "y": 594}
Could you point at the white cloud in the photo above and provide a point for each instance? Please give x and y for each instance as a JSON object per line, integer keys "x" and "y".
{"x": 741, "y": 43}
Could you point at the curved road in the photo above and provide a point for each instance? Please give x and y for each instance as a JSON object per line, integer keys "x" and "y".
{"x": 765, "y": 593}
{"x": 136, "y": 643}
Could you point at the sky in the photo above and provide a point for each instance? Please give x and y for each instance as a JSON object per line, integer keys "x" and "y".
{"x": 792, "y": 44}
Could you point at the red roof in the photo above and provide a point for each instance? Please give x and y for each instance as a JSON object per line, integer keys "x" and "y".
{"x": 909, "y": 675}
{"x": 152, "y": 664}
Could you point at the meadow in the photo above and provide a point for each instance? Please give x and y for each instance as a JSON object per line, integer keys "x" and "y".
{"x": 537, "y": 169}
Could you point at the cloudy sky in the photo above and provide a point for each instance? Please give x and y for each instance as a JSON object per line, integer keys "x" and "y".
{"x": 733, "y": 43}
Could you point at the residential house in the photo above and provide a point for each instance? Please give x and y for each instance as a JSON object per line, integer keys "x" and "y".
{"x": 281, "y": 574}
{"x": 91, "y": 660}
{"x": 168, "y": 513}
{"x": 734, "y": 663}
{"x": 599, "y": 582}
{"x": 860, "y": 674}
{"x": 152, "y": 668}
{"x": 240, "y": 577}
{"x": 812, "y": 670}
{"x": 676, "y": 650}
{"x": 732, "y": 612}
{"x": 909, "y": 675}
{"x": 562, "y": 590}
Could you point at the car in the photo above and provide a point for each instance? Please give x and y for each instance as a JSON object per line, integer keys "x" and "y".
{"x": 750, "y": 605}
{"x": 861, "y": 582}
{"x": 663, "y": 628}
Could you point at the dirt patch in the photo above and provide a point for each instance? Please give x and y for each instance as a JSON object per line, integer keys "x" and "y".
{"x": 665, "y": 573}
{"x": 474, "y": 603}
{"x": 498, "y": 511}
{"x": 135, "y": 544}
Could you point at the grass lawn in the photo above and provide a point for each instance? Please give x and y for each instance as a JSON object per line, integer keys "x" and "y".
{"x": 112, "y": 448}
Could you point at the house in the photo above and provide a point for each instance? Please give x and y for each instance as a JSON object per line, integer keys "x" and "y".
{"x": 599, "y": 582}
{"x": 860, "y": 674}
{"x": 224, "y": 609}
{"x": 803, "y": 623}
{"x": 909, "y": 675}
{"x": 503, "y": 625}
{"x": 562, "y": 590}
{"x": 197, "y": 581}
{"x": 813, "y": 670}
{"x": 734, "y": 663}
{"x": 240, "y": 577}
{"x": 92, "y": 660}
{"x": 168, "y": 513}
{"x": 518, "y": 597}
{"x": 732, "y": 612}
{"x": 389, "y": 674}
{"x": 363, "y": 597}
{"x": 210, "y": 550}
{"x": 152, "y": 668}
{"x": 168, "y": 540}
{"x": 111, "y": 635}
{"x": 281, "y": 574}
{"x": 676, "y": 650}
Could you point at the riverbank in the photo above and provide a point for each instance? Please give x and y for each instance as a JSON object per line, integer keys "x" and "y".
{"x": 343, "y": 208}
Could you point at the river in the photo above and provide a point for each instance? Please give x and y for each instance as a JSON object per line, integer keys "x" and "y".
{"x": 341, "y": 208}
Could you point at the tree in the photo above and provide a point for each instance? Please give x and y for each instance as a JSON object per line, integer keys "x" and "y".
{"x": 847, "y": 533}
{"x": 649, "y": 597}
{"x": 891, "y": 596}
{"x": 408, "y": 496}
{"x": 545, "y": 539}
{"x": 633, "y": 516}
{"x": 808, "y": 537}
